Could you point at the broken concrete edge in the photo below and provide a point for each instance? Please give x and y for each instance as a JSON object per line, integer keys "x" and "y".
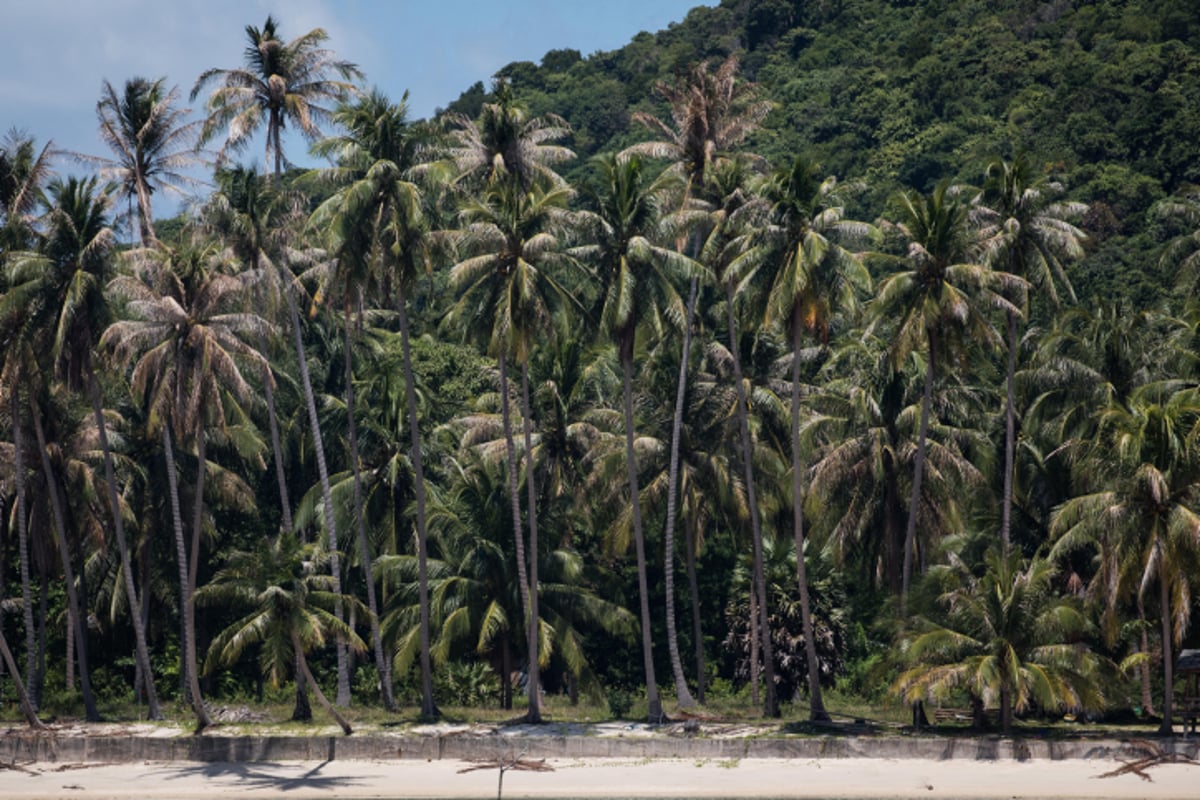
{"x": 33, "y": 748}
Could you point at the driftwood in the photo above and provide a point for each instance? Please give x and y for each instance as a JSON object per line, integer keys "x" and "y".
{"x": 519, "y": 765}
{"x": 1155, "y": 755}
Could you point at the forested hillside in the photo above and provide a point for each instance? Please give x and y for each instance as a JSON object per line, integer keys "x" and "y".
{"x": 1102, "y": 96}
{"x": 800, "y": 358}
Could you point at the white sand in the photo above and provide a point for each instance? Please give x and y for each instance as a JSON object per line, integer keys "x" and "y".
{"x": 594, "y": 778}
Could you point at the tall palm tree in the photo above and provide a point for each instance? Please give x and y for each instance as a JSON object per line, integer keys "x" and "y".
{"x": 711, "y": 113}
{"x": 1027, "y": 235}
{"x": 506, "y": 144}
{"x": 280, "y": 83}
{"x": 24, "y": 170}
{"x": 291, "y": 611}
{"x": 936, "y": 301}
{"x": 1141, "y": 515}
{"x": 152, "y": 142}
{"x": 185, "y": 338}
{"x": 507, "y": 295}
{"x": 376, "y": 227}
{"x": 1006, "y": 635}
{"x": 637, "y": 284}
{"x": 815, "y": 277}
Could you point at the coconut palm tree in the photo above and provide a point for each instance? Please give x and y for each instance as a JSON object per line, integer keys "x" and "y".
{"x": 637, "y": 279}
{"x": 1004, "y": 635}
{"x": 291, "y": 613}
{"x": 936, "y": 302}
{"x": 1025, "y": 234}
{"x": 475, "y": 609}
{"x": 507, "y": 295}
{"x": 814, "y": 277}
{"x": 1140, "y": 517}
{"x": 280, "y": 83}
{"x": 152, "y": 141}
{"x": 506, "y": 144}
{"x": 376, "y": 227}
{"x": 711, "y": 113}
{"x": 185, "y": 339}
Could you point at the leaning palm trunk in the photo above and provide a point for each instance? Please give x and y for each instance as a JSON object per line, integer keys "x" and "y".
{"x": 1144, "y": 671}
{"x": 654, "y": 704}
{"x": 78, "y": 611}
{"x": 202, "y": 718}
{"x": 302, "y": 663}
{"x": 382, "y": 664}
{"x": 23, "y": 541}
{"x": 683, "y": 696}
{"x": 816, "y": 706}
{"x": 181, "y": 559}
{"x": 910, "y": 532}
{"x": 429, "y": 710}
{"x": 532, "y": 632}
{"x": 771, "y": 706}
{"x": 1164, "y": 599}
{"x": 335, "y": 569}
{"x": 514, "y": 492}
{"x": 141, "y": 652}
{"x": 697, "y": 627}
{"x": 285, "y": 505}
{"x": 1010, "y": 435}
{"x": 27, "y": 708}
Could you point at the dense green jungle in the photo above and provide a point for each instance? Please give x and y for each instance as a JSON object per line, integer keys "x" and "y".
{"x": 808, "y": 357}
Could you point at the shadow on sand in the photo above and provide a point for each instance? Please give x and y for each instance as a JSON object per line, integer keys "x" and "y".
{"x": 262, "y": 775}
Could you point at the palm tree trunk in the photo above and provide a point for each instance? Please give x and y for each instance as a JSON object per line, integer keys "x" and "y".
{"x": 533, "y": 632}
{"x": 38, "y": 684}
{"x": 752, "y": 612}
{"x": 285, "y": 504}
{"x": 1164, "y": 600}
{"x": 321, "y": 698}
{"x": 514, "y": 492}
{"x": 1006, "y": 711}
{"x": 27, "y": 708}
{"x": 335, "y": 568}
{"x": 189, "y": 610}
{"x": 1010, "y": 435}
{"x": 654, "y": 704}
{"x": 697, "y": 626}
{"x": 141, "y": 652}
{"x": 429, "y": 710}
{"x": 382, "y": 664}
{"x": 910, "y": 532}
{"x": 23, "y": 539}
{"x": 77, "y": 609}
{"x": 682, "y": 694}
{"x": 145, "y": 215}
{"x": 181, "y": 559}
{"x": 816, "y": 705}
{"x": 1144, "y": 672}
{"x": 771, "y": 706}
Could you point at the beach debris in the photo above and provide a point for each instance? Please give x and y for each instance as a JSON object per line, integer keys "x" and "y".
{"x": 1153, "y": 755}
{"x": 519, "y": 764}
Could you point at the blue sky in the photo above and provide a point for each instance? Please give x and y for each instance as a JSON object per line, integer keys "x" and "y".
{"x": 55, "y": 53}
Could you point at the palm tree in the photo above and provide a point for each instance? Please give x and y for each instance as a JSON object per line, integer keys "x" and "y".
{"x": 281, "y": 82}
{"x": 1027, "y": 235}
{"x": 291, "y": 611}
{"x": 814, "y": 278}
{"x": 151, "y": 140}
{"x": 1141, "y": 516}
{"x": 507, "y": 293}
{"x": 376, "y": 228}
{"x": 637, "y": 285}
{"x": 1005, "y": 635}
{"x": 936, "y": 302}
{"x": 710, "y": 115}
{"x": 62, "y": 288}
{"x": 506, "y": 144}
{"x": 474, "y": 606}
{"x": 185, "y": 340}
{"x": 23, "y": 172}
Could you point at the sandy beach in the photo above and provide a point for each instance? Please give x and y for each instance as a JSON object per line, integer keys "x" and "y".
{"x": 748, "y": 778}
